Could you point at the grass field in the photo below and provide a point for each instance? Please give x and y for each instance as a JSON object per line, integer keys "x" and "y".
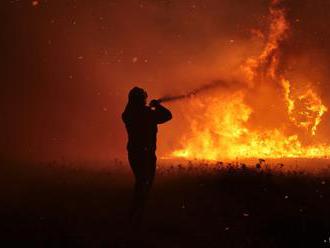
{"x": 63, "y": 204}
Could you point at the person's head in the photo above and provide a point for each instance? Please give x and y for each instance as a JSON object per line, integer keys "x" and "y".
{"x": 137, "y": 96}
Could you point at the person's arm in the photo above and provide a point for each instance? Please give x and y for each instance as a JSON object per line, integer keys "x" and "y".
{"x": 161, "y": 113}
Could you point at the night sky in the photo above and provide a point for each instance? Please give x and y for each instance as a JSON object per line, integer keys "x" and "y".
{"x": 67, "y": 66}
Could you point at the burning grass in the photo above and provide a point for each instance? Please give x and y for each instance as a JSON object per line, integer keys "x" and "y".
{"x": 192, "y": 204}
{"x": 272, "y": 113}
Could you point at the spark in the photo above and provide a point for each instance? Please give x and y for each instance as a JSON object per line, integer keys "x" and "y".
{"x": 35, "y": 3}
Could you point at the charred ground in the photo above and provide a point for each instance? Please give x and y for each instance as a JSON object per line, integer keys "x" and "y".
{"x": 64, "y": 204}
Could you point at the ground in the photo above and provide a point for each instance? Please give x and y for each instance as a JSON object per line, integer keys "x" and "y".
{"x": 62, "y": 204}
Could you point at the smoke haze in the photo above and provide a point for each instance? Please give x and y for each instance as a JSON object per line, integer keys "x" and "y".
{"x": 68, "y": 66}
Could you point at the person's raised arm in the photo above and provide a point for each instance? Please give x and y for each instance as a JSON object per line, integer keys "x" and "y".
{"x": 161, "y": 113}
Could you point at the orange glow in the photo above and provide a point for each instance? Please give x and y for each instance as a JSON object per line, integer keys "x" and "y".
{"x": 220, "y": 124}
{"x": 35, "y": 3}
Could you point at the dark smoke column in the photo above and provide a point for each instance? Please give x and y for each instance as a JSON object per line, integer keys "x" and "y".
{"x": 141, "y": 124}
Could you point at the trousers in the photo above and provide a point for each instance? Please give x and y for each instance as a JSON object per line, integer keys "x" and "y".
{"x": 143, "y": 165}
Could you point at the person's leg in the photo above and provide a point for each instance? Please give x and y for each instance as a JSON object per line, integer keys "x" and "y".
{"x": 144, "y": 175}
{"x": 150, "y": 171}
{"x": 137, "y": 163}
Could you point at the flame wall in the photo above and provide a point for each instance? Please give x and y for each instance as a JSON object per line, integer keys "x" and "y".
{"x": 270, "y": 117}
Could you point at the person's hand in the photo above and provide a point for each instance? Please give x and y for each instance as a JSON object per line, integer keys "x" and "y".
{"x": 154, "y": 103}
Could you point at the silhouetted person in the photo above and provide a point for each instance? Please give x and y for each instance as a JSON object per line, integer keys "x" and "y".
{"x": 141, "y": 124}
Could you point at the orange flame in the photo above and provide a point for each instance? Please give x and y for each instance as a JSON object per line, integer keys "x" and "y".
{"x": 266, "y": 63}
{"x": 225, "y": 134}
{"x": 306, "y": 110}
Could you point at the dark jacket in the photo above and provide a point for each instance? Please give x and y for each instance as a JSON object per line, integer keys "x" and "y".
{"x": 141, "y": 125}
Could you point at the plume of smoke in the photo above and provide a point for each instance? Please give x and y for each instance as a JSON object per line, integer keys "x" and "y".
{"x": 214, "y": 84}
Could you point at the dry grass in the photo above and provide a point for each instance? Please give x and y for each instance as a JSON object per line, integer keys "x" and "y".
{"x": 67, "y": 205}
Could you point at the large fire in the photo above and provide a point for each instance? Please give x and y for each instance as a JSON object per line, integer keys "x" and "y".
{"x": 221, "y": 128}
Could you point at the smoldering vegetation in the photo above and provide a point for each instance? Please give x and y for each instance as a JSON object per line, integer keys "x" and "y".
{"x": 64, "y": 204}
